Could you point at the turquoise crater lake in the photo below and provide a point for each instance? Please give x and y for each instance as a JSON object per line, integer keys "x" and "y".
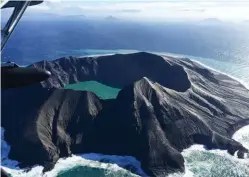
{"x": 101, "y": 90}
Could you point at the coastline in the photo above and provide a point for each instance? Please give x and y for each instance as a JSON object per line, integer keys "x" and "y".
{"x": 166, "y": 54}
{"x": 90, "y": 160}
{"x": 237, "y": 125}
{"x": 229, "y": 75}
{"x": 219, "y": 72}
{"x": 182, "y": 56}
{"x": 130, "y": 51}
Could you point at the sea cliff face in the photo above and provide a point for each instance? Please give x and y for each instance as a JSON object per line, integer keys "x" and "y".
{"x": 165, "y": 105}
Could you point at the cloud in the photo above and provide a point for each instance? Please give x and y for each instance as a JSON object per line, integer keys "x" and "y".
{"x": 189, "y": 10}
{"x": 130, "y": 10}
{"x": 148, "y": 9}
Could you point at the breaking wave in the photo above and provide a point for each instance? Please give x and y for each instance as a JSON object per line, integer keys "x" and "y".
{"x": 198, "y": 161}
{"x": 77, "y": 165}
{"x": 216, "y": 163}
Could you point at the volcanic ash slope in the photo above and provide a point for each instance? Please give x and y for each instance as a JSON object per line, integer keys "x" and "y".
{"x": 166, "y": 105}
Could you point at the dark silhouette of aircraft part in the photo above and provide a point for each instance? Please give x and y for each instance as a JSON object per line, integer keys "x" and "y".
{"x": 12, "y": 75}
{"x": 13, "y": 20}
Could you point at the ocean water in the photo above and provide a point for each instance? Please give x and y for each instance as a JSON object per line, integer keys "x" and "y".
{"x": 238, "y": 71}
{"x": 223, "y": 48}
{"x": 228, "y": 43}
{"x": 198, "y": 161}
{"x": 77, "y": 165}
{"x": 87, "y": 52}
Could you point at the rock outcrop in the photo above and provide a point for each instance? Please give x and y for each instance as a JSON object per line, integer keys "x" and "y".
{"x": 166, "y": 104}
{"x": 115, "y": 70}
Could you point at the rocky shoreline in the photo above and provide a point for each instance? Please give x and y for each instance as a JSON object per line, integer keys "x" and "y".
{"x": 165, "y": 105}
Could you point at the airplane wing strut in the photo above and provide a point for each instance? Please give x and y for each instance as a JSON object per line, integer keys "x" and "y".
{"x": 11, "y": 74}
{"x": 13, "y": 20}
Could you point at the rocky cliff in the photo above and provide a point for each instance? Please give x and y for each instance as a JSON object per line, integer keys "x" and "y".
{"x": 166, "y": 104}
{"x": 115, "y": 70}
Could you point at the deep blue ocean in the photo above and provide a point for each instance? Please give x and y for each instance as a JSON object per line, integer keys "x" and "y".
{"x": 224, "y": 47}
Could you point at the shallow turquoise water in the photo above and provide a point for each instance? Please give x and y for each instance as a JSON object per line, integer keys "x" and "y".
{"x": 199, "y": 162}
{"x": 80, "y": 171}
{"x": 87, "y": 52}
{"x": 239, "y": 70}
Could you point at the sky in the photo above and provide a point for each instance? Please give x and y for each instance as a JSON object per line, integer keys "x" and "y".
{"x": 235, "y": 10}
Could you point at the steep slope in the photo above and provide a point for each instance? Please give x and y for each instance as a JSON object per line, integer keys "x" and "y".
{"x": 217, "y": 96}
{"x": 54, "y": 122}
{"x": 115, "y": 70}
{"x": 153, "y": 118}
{"x": 152, "y": 126}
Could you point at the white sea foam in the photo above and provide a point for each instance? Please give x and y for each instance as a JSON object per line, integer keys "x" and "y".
{"x": 98, "y": 53}
{"x": 242, "y": 136}
{"x": 92, "y": 161}
{"x": 70, "y": 163}
{"x": 216, "y": 163}
{"x": 122, "y": 161}
{"x": 200, "y": 60}
{"x": 5, "y": 148}
{"x": 211, "y": 63}
{"x": 198, "y": 161}
{"x": 109, "y": 163}
{"x": 222, "y": 72}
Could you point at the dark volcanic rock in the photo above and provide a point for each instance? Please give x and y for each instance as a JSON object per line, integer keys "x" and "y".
{"x": 115, "y": 70}
{"x": 150, "y": 125}
{"x": 49, "y": 123}
{"x": 153, "y": 118}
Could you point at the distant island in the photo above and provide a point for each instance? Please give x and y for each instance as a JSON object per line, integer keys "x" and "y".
{"x": 110, "y": 17}
{"x": 211, "y": 21}
{"x": 164, "y": 106}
